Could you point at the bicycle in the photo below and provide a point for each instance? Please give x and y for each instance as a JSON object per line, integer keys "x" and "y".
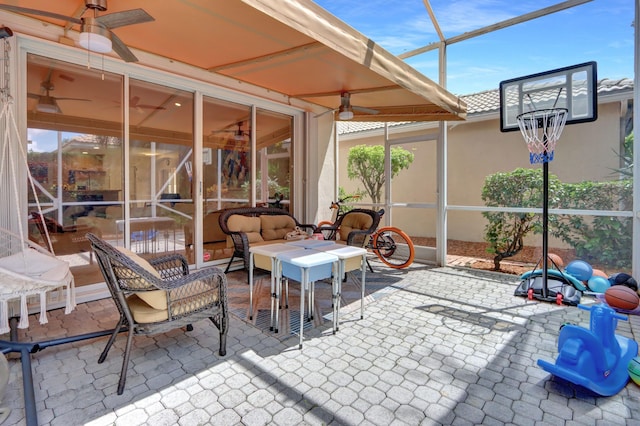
{"x": 390, "y": 244}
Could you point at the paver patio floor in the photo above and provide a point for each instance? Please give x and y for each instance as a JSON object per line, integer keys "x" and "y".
{"x": 443, "y": 346}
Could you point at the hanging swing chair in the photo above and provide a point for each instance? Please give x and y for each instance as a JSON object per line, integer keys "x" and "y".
{"x": 26, "y": 269}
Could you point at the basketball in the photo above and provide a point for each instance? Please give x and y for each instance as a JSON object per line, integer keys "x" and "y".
{"x": 598, "y": 284}
{"x": 599, "y": 273}
{"x": 555, "y": 261}
{"x": 634, "y": 370}
{"x": 579, "y": 269}
{"x": 621, "y": 297}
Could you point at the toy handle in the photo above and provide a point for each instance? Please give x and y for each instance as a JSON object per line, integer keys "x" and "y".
{"x": 613, "y": 315}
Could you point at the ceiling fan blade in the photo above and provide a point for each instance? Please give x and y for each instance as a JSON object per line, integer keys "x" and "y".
{"x": 126, "y": 17}
{"x": 326, "y": 112}
{"x": 122, "y": 50}
{"x": 144, "y": 106}
{"x": 365, "y": 110}
{"x": 33, "y": 95}
{"x": 26, "y": 10}
{"x": 71, "y": 99}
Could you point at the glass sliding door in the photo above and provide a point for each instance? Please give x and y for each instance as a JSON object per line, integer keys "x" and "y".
{"x": 75, "y": 132}
{"x": 226, "y": 172}
{"x": 274, "y": 143}
{"x": 160, "y": 168}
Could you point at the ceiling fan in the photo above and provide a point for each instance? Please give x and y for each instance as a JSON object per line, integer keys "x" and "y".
{"x": 345, "y": 110}
{"x": 48, "y": 103}
{"x": 134, "y": 102}
{"x": 96, "y": 32}
{"x": 238, "y": 134}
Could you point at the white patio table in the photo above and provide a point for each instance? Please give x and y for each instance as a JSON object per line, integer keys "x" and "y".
{"x": 306, "y": 267}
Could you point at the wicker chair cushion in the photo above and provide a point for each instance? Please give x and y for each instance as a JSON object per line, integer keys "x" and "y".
{"x": 276, "y": 227}
{"x": 354, "y": 221}
{"x": 143, "y": 313}
{"x": 157, "y": 299}
{"x": 249, "y": 225}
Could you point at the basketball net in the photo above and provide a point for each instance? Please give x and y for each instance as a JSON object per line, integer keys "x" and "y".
{"x": 541, "y": 130}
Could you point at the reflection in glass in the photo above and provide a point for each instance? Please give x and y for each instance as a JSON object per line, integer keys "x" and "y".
{"x": 75, "y": 135}
{"x": 160, "y": 167}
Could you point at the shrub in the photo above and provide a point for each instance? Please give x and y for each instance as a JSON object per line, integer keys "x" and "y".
{"x": 505, "y": 232}
{"x": 599, "y": 239}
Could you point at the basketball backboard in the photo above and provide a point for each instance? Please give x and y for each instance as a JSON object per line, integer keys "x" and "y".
{"x": 573, "y": 88}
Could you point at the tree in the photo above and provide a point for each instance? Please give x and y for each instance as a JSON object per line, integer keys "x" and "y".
{"x": 366, "y": 162}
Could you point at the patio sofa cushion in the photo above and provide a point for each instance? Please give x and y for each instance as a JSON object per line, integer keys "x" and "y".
{"x": 276, "y": 227}
{"x": 250, "y": 226}
{"x": 156, "y": 299}
{"x": 354, "y": 222}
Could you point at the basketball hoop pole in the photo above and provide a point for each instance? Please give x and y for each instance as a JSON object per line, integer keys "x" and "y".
{"x": 545, "y": 227}
{"x": 541, "y": 130}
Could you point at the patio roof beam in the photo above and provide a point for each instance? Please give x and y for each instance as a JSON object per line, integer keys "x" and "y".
{"x": 306, "y": 48}
{"x": 351, "y": 91}
{"x": 497, "y": 26}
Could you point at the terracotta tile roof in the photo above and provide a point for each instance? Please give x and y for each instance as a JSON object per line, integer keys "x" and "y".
{"x": 485, "y": 102}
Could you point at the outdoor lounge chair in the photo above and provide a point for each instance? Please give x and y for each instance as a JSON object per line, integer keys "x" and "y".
{"x": 353, "y": 228}
{"x": 159, "y": 295}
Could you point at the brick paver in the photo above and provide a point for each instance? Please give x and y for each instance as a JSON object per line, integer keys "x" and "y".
{"x": 443, "y": 346}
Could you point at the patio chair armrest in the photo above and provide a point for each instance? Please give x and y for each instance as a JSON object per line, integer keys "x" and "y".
{"x": 328, "y": 231}
{"x": 195, "y": 292}
{"x": 306, "y": 226}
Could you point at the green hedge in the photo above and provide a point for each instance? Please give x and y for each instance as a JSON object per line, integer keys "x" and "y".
{"x": 598, "y": 239}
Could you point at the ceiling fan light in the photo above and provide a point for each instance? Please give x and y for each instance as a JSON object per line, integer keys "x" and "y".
{"x": 47, "y": 105}
{"x": 94, "y": 37}
{"x": 238, "y": 137}
{"x": 345, "y": 112}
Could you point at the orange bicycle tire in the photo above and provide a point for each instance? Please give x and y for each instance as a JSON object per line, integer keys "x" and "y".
{"x": 382, "y": 237}
{"x": 325, "y": 223}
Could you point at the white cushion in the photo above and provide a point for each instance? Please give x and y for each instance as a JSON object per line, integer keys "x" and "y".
{"x": 32, "y": 263}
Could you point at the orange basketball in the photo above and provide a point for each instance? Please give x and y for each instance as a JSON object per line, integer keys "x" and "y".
{"x": 622, "y": 297}
{"x": 599, "y": 273}
{"x": 555, "y": 259}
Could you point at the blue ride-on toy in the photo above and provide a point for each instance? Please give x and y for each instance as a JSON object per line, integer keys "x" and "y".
{"x": 597, "y": 358}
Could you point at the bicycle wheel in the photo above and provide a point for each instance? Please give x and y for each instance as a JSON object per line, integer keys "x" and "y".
{"x": 393, "y": 247}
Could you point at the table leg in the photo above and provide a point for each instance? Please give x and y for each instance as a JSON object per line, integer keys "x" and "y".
{"x": 337, "y": 285}
{"x": 305, "y": 277}
{"x": 277, "y": 293}
{"x": 364, "y": 270}
{"x": 250, "y": 286}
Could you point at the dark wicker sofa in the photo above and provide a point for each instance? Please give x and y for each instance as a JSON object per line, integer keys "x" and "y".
{"x": 248, "y": 226}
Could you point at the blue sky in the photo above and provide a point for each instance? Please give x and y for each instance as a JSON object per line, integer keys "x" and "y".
{"x": 600, "y": 31}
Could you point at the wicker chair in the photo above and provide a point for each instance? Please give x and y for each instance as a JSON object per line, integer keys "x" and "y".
{"x": 353, "y": 227}
{"x": 159, "y": 295}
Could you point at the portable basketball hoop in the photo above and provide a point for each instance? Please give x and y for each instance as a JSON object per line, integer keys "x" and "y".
{"x": 541, "y": 130}
{"x": 540, "y": 105}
